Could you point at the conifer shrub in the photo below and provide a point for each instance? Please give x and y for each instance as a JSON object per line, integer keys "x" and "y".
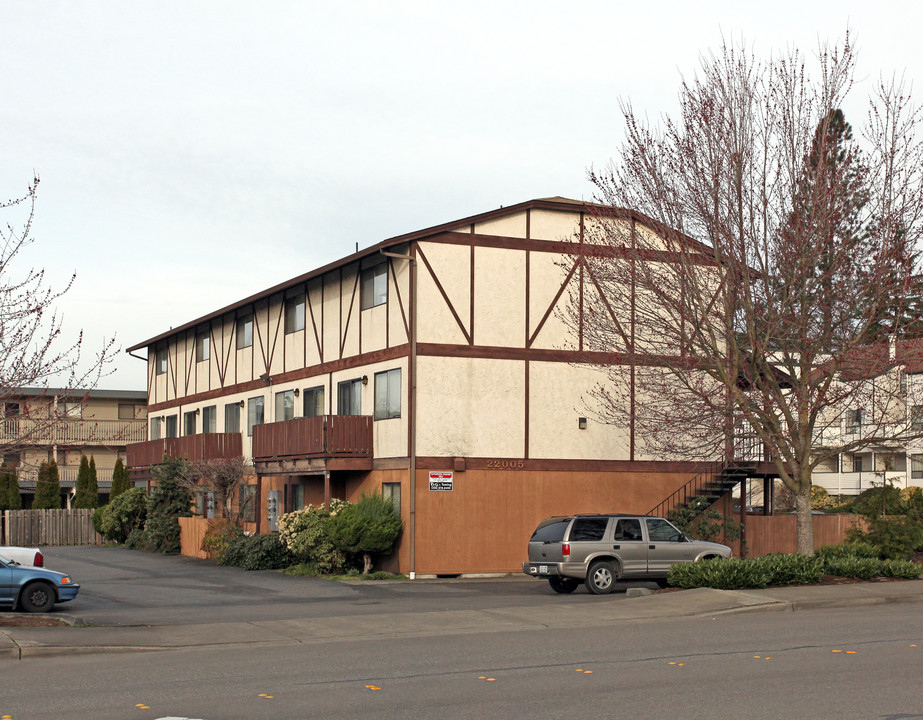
{"x": 87, "y": 485}
{"x": 123, "y": 516}
{"x": 120, "y": 480}
{"x": 48, "y": 487}
{"x": 10, "y": 498}
{"x": 368, "y": 528}
{"x": 168, "y": 501}
{"x": 257, "y": 552}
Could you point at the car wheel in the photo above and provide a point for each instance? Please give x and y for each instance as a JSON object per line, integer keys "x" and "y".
{"x": 563, "y": 585}
{"x": 37, "y": 597}
{"x": 601, "y": 578}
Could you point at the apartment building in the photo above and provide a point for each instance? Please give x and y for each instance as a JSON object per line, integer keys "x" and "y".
{"x": 433, "y": 367}
{"x": 42, "y": 424}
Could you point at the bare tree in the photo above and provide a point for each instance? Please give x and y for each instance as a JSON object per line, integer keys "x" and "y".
{"x": 224, "y": 477}
{"x": 743, "y": 296}
{"x": 33, "y": 351}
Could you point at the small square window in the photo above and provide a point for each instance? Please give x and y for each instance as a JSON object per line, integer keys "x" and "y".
{"x": 388, "y": 394}
{"x": 160, "y": 361}
{"x": 313, "y": 400}
{"x": 294, "y": 314}
{"x": 285, "y": 405}
{"x": 209, "y": 419}
{"x": 202, "y": 347}
{"x": 374, "y": 286}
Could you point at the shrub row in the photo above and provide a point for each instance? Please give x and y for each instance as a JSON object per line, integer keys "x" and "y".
{"x": 738, "y": 573}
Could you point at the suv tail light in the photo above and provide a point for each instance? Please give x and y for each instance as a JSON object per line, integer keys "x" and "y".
{"x": 565, "y": 550}
{"x": 39, "y": 560}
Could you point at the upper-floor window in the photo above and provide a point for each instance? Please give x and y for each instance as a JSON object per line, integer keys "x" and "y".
{"x": 156, "y": 428}
{"x": 160, "y": 361}
{"x": 202, "y": 347}
{"x": 72, "y": 409}
{"x": 388, "y": 394}
{"x": 349, "y": 397}
{"x": 172, "y": 426}
{"x": 254, "y": 413}
{"x": 294, "y": 313}
{"x": 244, "y": 332}
{"x": 285, "y": 405}
{"x": 313, "y": 400}
{"x": 374, "y": 286}
{"x": 232, "y": 418}
{"x": 189, "y": 423}
{"x": 128, "y": 411}
{"x": 853, "y": 420}
{"x": 209, "y": 419}
{"x": 916, "y": 418}
{"x": 916, "y": 466}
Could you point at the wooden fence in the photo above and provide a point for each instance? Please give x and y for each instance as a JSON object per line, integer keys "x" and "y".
{"x": 46, "y": 528}
{"x": 777, "y": 533}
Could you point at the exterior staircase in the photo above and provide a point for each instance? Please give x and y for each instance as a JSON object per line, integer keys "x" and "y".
{"x": 716, "y": 480}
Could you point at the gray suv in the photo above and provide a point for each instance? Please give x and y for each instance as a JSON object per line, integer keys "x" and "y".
{"x": 598, "y": 550}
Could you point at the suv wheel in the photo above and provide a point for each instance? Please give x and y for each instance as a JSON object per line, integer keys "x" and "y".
{"x": 563, "y": 585}
{"x": 601, "y": 577}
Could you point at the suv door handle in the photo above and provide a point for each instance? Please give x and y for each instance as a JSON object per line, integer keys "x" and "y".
{"x": 616, "y": 547}
{"x": 651, "y": 547}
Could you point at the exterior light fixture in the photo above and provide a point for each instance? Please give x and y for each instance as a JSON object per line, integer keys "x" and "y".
{"x": 297, "y": 392}
{"x": 365, "y": 379}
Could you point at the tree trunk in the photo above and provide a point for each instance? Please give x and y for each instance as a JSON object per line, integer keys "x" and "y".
{"x": 805, "y": 522}
{"x": 366, "y": 563}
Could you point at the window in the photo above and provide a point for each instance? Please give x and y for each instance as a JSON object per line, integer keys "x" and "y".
{"x": 254, "y": 413}
{"x": 297, "y": 500}
{"x": 388, "y": 394}
{"x": 374, "y": 286}
{"x": 202, "y": 347}
{"x": 210, "y": 419}
{"x": 72, "y": 409}
{"x": 160, "y": 361}
{"x": 349, "y": 397}
{"x": 313, "y": 400}
{"x": 659, "y": 530}
{"x": 129, "y": 412}
{"x": 392, "y": 492}
{"x": 551, "y": 532}
{"x": 588, "y": 529}
{"x": 916, "y": 418}
{"x": 232, "y": 418}
{"x": 857, "y": 463}
{"x": 156, "y": 428}
{"x": 246, "y": 502}
{"x": 627, "y": 529}
{"x": 853, "y": 420}
{"x": 244, "y": 332}
{"x": 916, "y": 466}
{"x": 189, "y": 423}
{"x": 171, "y": 426}
{"x": 294, "y": 314}
{"x": 285, "y": 405}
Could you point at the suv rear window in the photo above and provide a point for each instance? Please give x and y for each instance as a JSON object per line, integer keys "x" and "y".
{"x": 552, "y": 532}
{"x": 588, "y": 529}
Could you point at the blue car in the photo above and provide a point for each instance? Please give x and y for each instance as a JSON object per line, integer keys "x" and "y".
{"x": 33, "y": 589}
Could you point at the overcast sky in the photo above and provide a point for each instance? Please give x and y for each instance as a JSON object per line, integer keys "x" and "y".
{"x": 195, "y": 153}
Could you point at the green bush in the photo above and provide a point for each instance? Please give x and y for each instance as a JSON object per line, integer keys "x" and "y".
{"x": 877, "y": 500}
{"x": 47, "y": 488}
{"x": 10, "y": 498}
{"x": 306, "y": 535}
{"x": 120, "y": 480}
{"x": 168, "y": 501}
{"x": 257, "y": 552}
{"x": 792, "y": 569}
{"x": 220, "y": 533}
{"x": 701, "y": 522}
{"x": 720, "y": 573}
{"x": 369, "y": 527}
{"x": 124, "y": 515}
{"x": 87, "y": 488}
{"x": 857, "y": 548}
{"x": 853, "y": 567}
{"x": 896, "y": 538}
{"x": 901, "y": 569}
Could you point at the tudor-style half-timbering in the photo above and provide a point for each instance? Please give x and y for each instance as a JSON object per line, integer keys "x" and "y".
{"x": 443, "y": 350}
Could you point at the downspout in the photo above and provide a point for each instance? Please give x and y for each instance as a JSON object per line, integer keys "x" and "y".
{"x": 412, "y": 394}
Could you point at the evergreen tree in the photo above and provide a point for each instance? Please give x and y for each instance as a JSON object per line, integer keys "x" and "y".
{"x": 48, "y": 488}
{"x": 369, "y": 527}
{"x": 81, "y": 497}
{"x": 120, "y": 481}
{"x": 93, "y": 484}
{"x": 9, "y": 489}
{"x": 168, "y": 501}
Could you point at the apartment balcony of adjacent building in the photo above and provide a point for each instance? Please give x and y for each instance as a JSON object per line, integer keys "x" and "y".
{"x": 70, "y": 432}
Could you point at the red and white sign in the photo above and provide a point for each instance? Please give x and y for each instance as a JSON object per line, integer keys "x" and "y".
{"x": 441, "y": 479}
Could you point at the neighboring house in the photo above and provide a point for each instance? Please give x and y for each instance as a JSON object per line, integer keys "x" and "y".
{"x": 42, "y": 424}
{"x": 433, "y": 367}
{"x": 893, "y": 403}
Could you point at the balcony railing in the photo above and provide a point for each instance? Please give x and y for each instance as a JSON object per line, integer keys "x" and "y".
{"x": 204, "y": 446}
{"x": 30, "y": 431}
{"x": 323, "y": 436}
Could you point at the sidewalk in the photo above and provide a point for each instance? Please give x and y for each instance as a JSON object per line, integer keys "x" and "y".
{"x": 18, "y": 643}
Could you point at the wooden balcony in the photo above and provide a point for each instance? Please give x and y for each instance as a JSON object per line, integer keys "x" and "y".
{"x": 204, "y": 446}
{"x": 26, "y": 431}
{"x": 327, "y": 442}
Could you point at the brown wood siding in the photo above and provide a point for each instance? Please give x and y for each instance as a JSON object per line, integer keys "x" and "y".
{"x": 324, "y": 436}
{"x": 192, "y": 447}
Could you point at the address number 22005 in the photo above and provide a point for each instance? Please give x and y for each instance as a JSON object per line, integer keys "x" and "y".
{"x": 506, "y": 464}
